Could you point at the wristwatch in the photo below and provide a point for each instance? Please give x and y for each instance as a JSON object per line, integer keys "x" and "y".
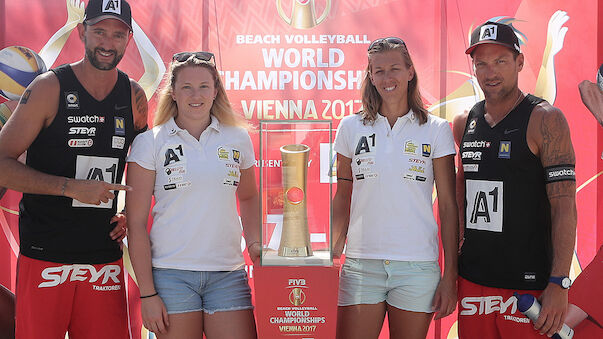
{"x": 564, "y": 282}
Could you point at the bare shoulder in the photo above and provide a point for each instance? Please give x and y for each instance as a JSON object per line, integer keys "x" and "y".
{"x": 458, "y": 126}
{"x": 36, "y": 110}
{"x": 139, "y": 105}
{"x": 549, "y": 133}
{"x": 41, "y": 98}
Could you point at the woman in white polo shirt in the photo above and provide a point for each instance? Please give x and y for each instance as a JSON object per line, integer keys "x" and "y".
{"x": 388, "y": 157}
{"x": 196, "y": 161}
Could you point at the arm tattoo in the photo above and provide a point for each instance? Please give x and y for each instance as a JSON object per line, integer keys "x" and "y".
{"x": 141, "y": 106}
{"x": 557, "y": 149}
{"x": 25, "y": 97}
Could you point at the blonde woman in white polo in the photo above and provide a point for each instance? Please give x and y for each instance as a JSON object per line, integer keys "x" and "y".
{"x": 196, "y": 162}
{"x": 388, "y": 157}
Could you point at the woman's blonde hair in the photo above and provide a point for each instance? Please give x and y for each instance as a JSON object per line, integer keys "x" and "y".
{"x": 221, "y": 108}
{"x": 371, "y": 99}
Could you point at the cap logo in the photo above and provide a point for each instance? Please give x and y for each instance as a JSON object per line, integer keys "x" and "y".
{"x": 112, "y": 6}
{"x": 488, "y": 32}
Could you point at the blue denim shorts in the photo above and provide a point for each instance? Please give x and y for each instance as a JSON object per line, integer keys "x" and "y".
{"x": 407, "y": 285}
{"x": 208, "y": 291}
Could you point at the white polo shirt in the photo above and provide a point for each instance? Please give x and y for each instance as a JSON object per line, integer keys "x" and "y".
{"x": 391, "y": 213}
{"x": 195, "y": 221}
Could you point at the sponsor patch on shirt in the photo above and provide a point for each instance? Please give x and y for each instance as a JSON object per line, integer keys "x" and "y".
{"x": 173, "y": 180}
{"x": 85, "y": 119}
{"x": 416, "y": 161}
{"x": 236, "y": 155}
{"x": 80, "y": 143}
{"x": 223, "y": 154}
{"x": 118, "y": 142}
{"x": 365, "y": 161}
{"x": 72, "y": 100}
{"x": 476, "y": 144}
{"x": 426, "y": 150}
{"x": 472, "y": 124}
{"x": 414, "y": 177}
{"x": 89, "y": 131}
{"x": 471, "y": 167}
{"x": 174, "y": 170}
{"x": 362, "y": 176}
{"x": 176, "y": 185}
{"x": 120, "y": 126}
{"x": 504, "y": 150}
{"x": 410, "y": 147}
{"x": 529, "y": 276}
{"x": 230, "y": 182}
{"x": 472, "y": 155}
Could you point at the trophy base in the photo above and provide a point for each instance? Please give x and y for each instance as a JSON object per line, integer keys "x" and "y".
{"x": 318, "y": 258}
{"x": 304, "y": 251}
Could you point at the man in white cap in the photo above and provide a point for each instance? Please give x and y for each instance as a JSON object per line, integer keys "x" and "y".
{"x": 76, "y": 122}
{"x": 516, "y": 189}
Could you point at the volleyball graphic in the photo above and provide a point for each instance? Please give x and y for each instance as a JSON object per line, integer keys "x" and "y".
{"x": 18, "y": 67}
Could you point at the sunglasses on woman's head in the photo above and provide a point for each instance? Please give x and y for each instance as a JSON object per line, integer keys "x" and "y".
{"x": 203, "y": 56}
{"x": 391, "y": 40}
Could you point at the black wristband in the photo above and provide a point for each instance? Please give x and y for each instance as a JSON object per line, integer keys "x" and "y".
{"x": 563, "y": 172}
{"x": 346, "y": 179}
{"x": 148, "y": 296}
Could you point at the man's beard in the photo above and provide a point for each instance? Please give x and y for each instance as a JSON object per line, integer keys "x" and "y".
{"x": 103, "y": 66}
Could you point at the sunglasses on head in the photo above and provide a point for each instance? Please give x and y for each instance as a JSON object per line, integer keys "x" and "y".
{"x": 204, "y": 56}
{"x": 391, "y": 40}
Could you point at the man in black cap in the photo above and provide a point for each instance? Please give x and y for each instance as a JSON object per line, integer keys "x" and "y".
{"x": 76, "y": 122}
{"x": 516, "y": 187}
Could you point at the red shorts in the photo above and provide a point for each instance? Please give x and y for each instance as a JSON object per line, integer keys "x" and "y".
{"x": 491, "y": 313}
{"x": 88, "y": 301}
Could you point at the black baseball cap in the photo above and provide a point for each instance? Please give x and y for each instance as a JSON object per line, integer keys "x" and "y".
{"x": 494, "y": 33}
{"x": 99, "y": 10}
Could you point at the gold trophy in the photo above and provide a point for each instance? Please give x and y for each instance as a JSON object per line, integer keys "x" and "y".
{"x": 303, "y": 14}
{"x": 297, "y": 296}
{"x": 295, "y": 236}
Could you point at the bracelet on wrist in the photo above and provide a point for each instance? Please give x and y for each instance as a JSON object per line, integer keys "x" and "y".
{"x": 64, "y": 186}
{"x": 148, "y": 296}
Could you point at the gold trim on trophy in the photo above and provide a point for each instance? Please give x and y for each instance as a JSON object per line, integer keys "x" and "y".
{"x": 297, "y": 297}
{"x": 303, "y": 14}
{"x": 295, "y": 236}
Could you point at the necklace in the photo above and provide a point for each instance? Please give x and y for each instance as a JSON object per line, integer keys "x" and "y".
{"x": 509, "y": 111}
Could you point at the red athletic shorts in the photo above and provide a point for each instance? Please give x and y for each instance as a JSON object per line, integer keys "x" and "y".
{"x": 491, "y": 313}
{"x": 88, "y": 301}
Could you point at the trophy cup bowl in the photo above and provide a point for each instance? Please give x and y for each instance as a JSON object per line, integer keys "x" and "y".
{"x": 295, "y": 236}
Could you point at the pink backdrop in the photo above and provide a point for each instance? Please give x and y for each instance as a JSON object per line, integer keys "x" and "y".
{"x": 276, "y": 70}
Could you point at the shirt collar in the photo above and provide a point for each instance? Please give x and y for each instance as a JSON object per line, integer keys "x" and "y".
{"x": 174, "y": 129}
{"x": 214, "y": 123}
{"x": 410, "y": 116}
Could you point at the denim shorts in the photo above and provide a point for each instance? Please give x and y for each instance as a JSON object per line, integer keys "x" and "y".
{"x": 208, "y": 291}
{"x": 407, "y": 285}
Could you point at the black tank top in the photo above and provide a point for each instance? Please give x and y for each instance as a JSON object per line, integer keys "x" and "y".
{"x": 507, "y": 211}
{"x": 88, "y": 139}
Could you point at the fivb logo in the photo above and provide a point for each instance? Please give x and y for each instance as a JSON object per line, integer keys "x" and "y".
{"x": 112, "y": 6}
{"x": 488, "y": 32}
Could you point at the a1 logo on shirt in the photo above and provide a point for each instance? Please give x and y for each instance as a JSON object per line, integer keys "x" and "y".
{"x": 173, "y": 154}
{"x": 96, "y": 168}
{"x": 366, "y": 144}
